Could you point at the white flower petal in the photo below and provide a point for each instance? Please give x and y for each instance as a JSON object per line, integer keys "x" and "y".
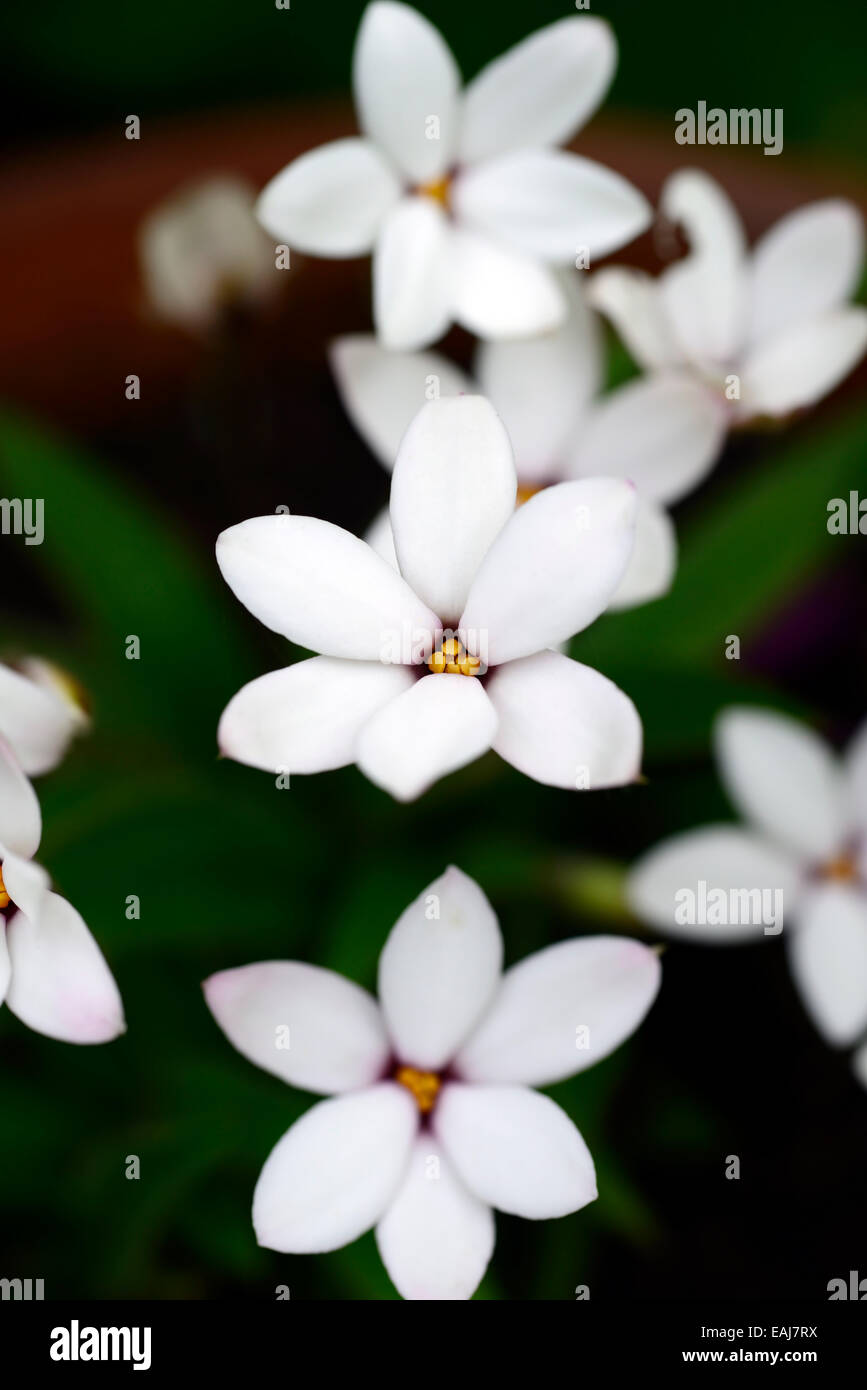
{"x": 436, "y": 1238}
{"x": 383, "y": 390}
{"x": 57, "y": 683}
{"x": 441, "y": 724}
{"x": 653, "y": 561}
{"x": 705, "y": 295}
{"x": 439, "y": 969}
{"x": 855, "y": 771}
{"x": 403, "y": 75}
{"x": 321, "y": 587}
{"x": 803, "y": 364}
{"x": 784, "y": 778}
{"x": 541, "y": 387}
{"x": 632, "y": 302}
{"x": 334, "y": 1173}
{"x": 564, "y": 724}
{"x": 497, "y": 292}
{"x": 61, "y": 985}
{"x": 706, "y": 213}
{"x": 551, "y": 204}
{"x": 331, "y": 201}
{"x": 515, "y": 1149}
{"x": 20, "y": 817}
{"x": 828, "y": 957}
{"x": 561, "y": 1010}
{"x": 663, "y": 432}
{"x": 412, "y": 275}
{"x": 310, "y": 1027}
{"x": 452, "y": 492}
{"x": 307, "y": 717}
{"x": 859, "y": 1064}
{"x": 540, "y": 92}
{"x": 380, "y": 537}
{"x": 722, "y": 857}
{"x": 26, "y": 883}
{"x": 552, "y": 570}
{"x": 809, "y": 262}
{"x": 37, "y": 722}
{"x": 704, "y": 300}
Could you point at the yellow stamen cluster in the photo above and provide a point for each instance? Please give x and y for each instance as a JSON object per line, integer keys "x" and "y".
{"x": 438, "y": 189}
{"x": 423, "y": 1086}
{"x": 4, "y": 896}
{"x": 524, "y": 495}
{"x": 843, "y": 869}
{"x": 453, "y": 657}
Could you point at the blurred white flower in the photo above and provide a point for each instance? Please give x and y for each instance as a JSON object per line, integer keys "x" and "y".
{"x": 52, "y": 973}
{"x": 807, "y": 837}
{"x": 40, "y": 712}
{"x": 461, "y": 197}
{"x": 426, "y": 667}
{"x": 432, "y": 1122}
{"x": 658, "y": 432}
{"x": 203, "y": 251}
{"x": 768, "y": 331}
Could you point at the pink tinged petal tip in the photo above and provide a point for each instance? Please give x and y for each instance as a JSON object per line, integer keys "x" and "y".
{"x": 61, "y": 985}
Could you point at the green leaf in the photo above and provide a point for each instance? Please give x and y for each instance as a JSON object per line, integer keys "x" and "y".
{"x": 123, "y": 571}
{"x": 765, "y": 536}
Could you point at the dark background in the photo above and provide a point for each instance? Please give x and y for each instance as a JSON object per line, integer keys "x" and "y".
{"x": 229, "y": 870}
{"x": 74, "y": 67}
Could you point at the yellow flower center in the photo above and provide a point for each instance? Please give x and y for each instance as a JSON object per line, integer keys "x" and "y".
{"x": 423, "y": 1086}
{"x": 452, "y": 656}
{"x": 438, "y": 189}
{"x": 524, "y": 495}
{"x": 842, "y": 869}
{"x": 4, "y": 896}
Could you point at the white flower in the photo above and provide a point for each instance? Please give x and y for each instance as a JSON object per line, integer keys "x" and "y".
{"x": 461, "y": 197}
{"x": 203, "y": 250}
{"x": 52, "y": 973}
{"x": 433, "y": 1122}
{"x": 424, "y": 669}
{"x": 772, "y": 324}
{"x": 662, "y": 432}
{"x": 806, "y": 836}
{"x": 40, "y": 712}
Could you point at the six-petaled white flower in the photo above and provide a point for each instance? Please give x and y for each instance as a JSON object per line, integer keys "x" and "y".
{"x": 769, "y": 331}
{"x": 656, "y": 431}
{"x": 424, "y": 669}
{"x": 461, "y": 197}
{"x": 807, "y": 838}
{"x": 432, "y": 1121}
{"x": 52, "y": 973}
